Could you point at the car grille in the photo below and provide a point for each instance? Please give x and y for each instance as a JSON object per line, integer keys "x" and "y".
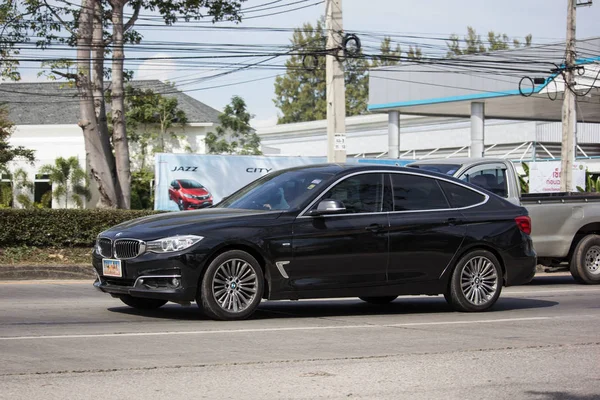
{"x": 201, "y": 197}
{"x": 127, "y": 248}
{"x": 105, "y": 247}
{"x": 119, "y": 282}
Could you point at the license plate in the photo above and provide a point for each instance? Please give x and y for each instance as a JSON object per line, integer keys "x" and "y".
{"x": 112, "y": 268}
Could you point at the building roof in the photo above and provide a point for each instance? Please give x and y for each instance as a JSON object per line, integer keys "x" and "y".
{"x": 503, "y": 80}
{"x": 55, "y": 103}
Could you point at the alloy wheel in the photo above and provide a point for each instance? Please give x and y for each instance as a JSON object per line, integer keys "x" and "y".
{"x": 234, "y": 285}
{"x": 479, "y": 280}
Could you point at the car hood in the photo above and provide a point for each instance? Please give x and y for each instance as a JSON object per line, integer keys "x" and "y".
{"x": 183, "y": 223}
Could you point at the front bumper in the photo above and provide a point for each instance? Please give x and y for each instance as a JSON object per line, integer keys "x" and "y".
{"x": 146, "y": 277}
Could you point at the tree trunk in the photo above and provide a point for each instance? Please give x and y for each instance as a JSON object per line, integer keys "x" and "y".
{"x": 118, "y": 106}
{"x": 95, "y": 152}
{"x": 98, "y": 47}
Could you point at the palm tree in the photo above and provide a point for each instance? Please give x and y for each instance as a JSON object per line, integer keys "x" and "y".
{"x": 69, "y": 180}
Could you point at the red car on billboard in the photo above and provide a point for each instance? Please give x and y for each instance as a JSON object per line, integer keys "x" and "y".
{"x": 189, "y": 194}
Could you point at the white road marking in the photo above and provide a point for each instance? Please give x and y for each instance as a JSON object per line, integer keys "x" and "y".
{"x": 551, "y": 291}
{"x": 300, "y": 328}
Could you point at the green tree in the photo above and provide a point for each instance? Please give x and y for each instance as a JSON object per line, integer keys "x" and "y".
{"x": 150, "y": 118}
{"x": 473, "y": 43}
{"x": 9, "y": 153}
{"x": 98, "y": 30}
{"x": 24, "y": 188}
{"x": 69, "y": 181}
{"x": 234, "y": 135}
{"x": 301, "y": 94}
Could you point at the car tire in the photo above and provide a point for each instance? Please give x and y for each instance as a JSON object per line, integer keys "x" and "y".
{"x": 232, "y": 286}
{"x": 379, "y": 300}
{"x": 476, "y": 282}
{"x": 142, "y": 304}
{"x": 585, "y": 262}
{"x": 180, "y": 205}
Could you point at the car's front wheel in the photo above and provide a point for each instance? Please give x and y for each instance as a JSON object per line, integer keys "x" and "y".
{"x": 378, "y": 299}
{"x": 476, "y": 282}
{"x": 142, "y": 304}
{"x": 232, "y": 286}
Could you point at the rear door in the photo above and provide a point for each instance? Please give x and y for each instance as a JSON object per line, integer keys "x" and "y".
{"x": 348, "y": 250}
{"x": 425, "y": 231}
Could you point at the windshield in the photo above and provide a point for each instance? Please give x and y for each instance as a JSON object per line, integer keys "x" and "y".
{"x": 446, "y": 169}
{"x": 281, "y": 190}
{"x": 189, "y": 184}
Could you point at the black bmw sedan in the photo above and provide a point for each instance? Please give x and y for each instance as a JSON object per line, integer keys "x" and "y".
{"x": 372, "y": 232}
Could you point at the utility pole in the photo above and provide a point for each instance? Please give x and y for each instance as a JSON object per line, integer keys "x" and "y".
{"x": 336, "y": 91}
{"x": 567, "y": 154}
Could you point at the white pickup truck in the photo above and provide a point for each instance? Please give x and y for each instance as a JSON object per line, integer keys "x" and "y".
{"x": 565, "y": 226}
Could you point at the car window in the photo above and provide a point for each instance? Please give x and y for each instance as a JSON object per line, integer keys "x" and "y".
{"x": 190, "y": 184}
{"x": 359, "y": 193}
{"x": 279, "y": 190}
{"x": 413, "y": 192}
{"x": 460, "y": 196}
{"x": 492, "y": 179}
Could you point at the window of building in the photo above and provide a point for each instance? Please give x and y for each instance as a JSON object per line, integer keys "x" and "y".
{"x": 42, "y": 190}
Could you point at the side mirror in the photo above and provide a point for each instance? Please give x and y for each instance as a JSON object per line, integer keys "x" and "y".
{"x": 328, "y": 207}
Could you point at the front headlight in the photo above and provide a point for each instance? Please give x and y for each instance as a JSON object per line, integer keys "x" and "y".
{"x": 173, "y": 243}
{"x": 189, "y": 196}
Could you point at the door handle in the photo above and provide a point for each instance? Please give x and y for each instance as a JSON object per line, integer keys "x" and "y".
{"x": 374, "y": 227}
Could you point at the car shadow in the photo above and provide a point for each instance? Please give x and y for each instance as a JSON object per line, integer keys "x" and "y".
{"x": 548, "y": 279}
{"x": 336, "y": 308}
{"x": 561, "y": 396}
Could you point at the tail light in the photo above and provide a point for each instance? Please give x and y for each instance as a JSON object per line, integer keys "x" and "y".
{"x": 524, "y": 224}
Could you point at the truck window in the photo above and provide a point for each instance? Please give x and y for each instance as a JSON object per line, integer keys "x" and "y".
{"x": 491, "y": 178}
{"x": 460, "y": 196}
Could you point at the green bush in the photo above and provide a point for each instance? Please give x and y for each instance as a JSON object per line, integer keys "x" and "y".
{"x": 59, "y": 227}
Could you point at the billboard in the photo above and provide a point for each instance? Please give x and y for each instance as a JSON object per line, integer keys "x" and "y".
{"x": 544, "y": 177}
{"x": 193, "y": 181}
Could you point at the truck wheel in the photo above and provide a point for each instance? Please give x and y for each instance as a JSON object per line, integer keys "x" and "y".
{"x": 142, "y": 304}
{"x": 379, "y": 300}
{"x": 232, "y": 286}
{"x": 585, "y": 262}
{"x": 476, "y": 282}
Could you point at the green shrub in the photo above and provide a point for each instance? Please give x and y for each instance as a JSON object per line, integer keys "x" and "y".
{"x": 59, "y": 227}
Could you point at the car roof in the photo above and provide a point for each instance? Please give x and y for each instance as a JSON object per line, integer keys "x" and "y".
{"x": 345, "y": 169}
{"x": 456, "y": 161}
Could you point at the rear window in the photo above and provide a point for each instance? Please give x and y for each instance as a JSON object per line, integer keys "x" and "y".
{"x": 446, "y": 169}
{"x": 460, "y": 196}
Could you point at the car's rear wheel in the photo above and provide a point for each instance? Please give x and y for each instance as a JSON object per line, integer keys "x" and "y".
{"x": 585, "y": 262}
{"x": 379, "y": 299}
{"x": 142, "y": 304}
{"x": 476, "y": 282}
{"x": 232, "y": 286}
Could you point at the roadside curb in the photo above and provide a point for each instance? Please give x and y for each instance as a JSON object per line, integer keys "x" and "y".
{"x": 52, "y": 272}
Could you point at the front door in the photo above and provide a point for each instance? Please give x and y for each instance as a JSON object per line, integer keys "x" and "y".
{"x": 348, "y": 250}
{"x": 425, "y": 231}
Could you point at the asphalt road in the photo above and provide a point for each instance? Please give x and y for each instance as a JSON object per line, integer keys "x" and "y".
{"x": 65, "y": 340}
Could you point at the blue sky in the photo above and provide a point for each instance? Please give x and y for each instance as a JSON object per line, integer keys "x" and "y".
{"x": 544, "y": 19}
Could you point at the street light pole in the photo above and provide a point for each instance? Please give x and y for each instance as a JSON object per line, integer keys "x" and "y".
{"x": 568, "y": 108}
{"x": 336, "y": 91}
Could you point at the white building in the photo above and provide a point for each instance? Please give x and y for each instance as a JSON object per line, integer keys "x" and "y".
{"x": 46, "y": 115}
